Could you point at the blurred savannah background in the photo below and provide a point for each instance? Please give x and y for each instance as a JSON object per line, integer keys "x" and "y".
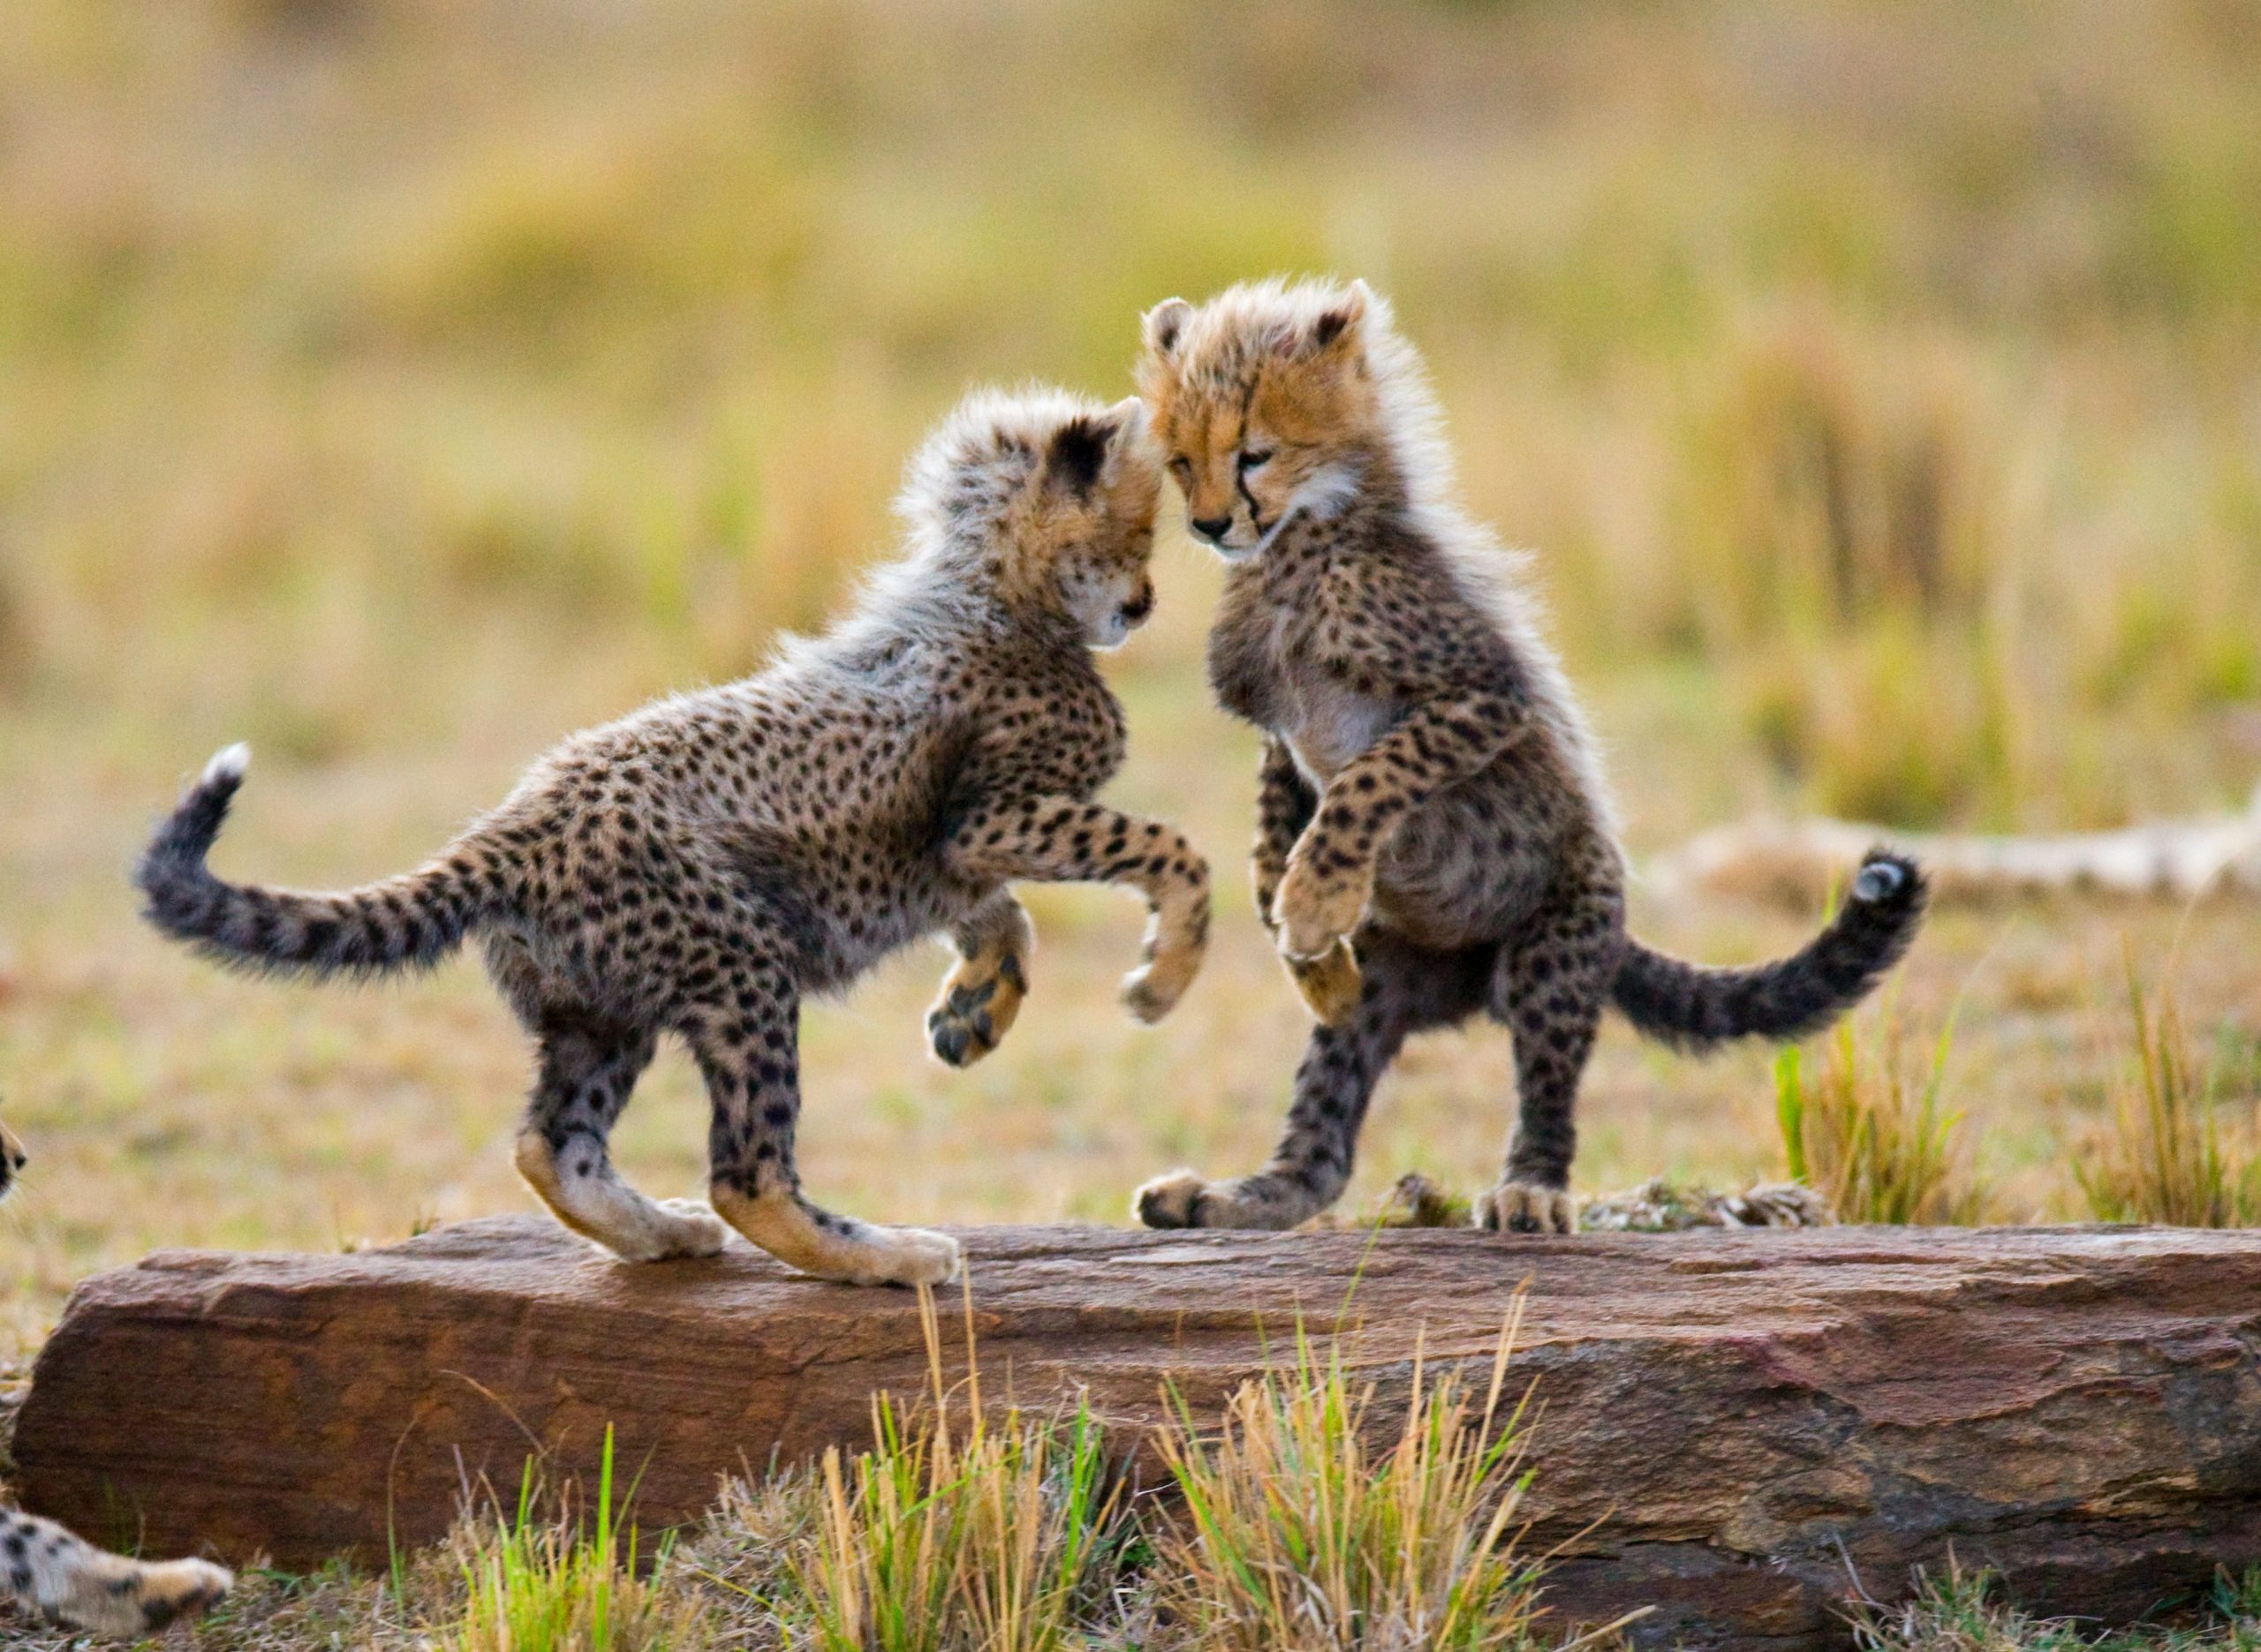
{"x": 401, "y": 386}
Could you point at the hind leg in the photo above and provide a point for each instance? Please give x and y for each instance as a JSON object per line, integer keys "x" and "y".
{"x": 73, "y": 1582}
{"x": 747, "y": 1047}
{"x": 587, "y": 1070}
{"x": 1404, "y": 989}
{"x": 1548, "y": 987}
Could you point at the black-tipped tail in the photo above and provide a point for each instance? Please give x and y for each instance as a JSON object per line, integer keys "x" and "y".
{"x": 1695, "y": 1008}
{"x": 409, "y": 922}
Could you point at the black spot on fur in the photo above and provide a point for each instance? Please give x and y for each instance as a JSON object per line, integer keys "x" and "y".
{"x": 1078, "y": 450}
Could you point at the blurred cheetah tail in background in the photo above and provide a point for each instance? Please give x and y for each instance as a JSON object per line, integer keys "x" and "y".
{"x": 409, "y": 922}
{"x": 1694, "y": 1007}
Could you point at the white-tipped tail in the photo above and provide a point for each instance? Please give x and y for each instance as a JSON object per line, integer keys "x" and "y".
{"x": 228, "y": 765}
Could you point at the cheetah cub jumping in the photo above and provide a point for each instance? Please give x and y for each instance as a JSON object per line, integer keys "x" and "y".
{"x": 1434, "y": 840}
{"x": 68, "y": 1582}
{"x": 701, "y": 866}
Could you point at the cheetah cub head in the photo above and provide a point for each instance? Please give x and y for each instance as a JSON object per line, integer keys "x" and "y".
{"x": 1048, "y": 499}
{"x": 1272, "y": 400}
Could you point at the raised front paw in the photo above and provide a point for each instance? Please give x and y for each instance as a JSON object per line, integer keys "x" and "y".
{"x": 978, "y": 1003}
{"x": 1525, "y": 1207}
{"x": 1152, "y": 991}
{"x": 1330, "y": 984}
{"x": 1313, "y": 911}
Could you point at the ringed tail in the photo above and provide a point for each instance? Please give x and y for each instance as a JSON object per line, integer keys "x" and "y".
{"x": 1695, "y": 1008}
{"x": 404, "y": 923}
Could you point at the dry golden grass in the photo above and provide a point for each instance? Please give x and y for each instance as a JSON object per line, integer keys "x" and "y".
{"x": 1872, "y": 1131}
{"x": 401, "y": 385}
{"x": 1300, "y": 1532}
{"x": 2175, "y": 1150}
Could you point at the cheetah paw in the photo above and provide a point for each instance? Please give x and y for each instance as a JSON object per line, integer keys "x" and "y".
{"x": 1181, "y": 1199}
{"x": 1330, "y": 984}
{"x": 902, "y": 1256}
{"x": 146, "y": 1598}
{"x": 973, "y": 1013}
{"x": 674, "y": 1229}
{"x": 1152, "y": 991}
{"x": 1525, "y": 1207}
{"x": 1171, "y": 1201}
{"x": 181, "y": 1588}
{"x": 1311, "y": 913}
{"x": 696, "y": 1229}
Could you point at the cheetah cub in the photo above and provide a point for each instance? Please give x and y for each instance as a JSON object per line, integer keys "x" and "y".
{"x": 1434, "y": 840}
{"x": 703, "y": 865}
{"x": 67, "y": 1581}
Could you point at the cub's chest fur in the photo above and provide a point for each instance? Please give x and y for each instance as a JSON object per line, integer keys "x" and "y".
{"x": 1265, "y": 670}
{"x": 1329, "y": 724}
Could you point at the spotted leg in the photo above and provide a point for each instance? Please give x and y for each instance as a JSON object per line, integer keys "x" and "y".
{"x": 1063, "y": 840}
{"x": 1285, "y": 802}
{"x": 746, "y": 1042}
{"x": 587, "y": 1070}
{"x": 1549, "y": 989}
{"x": 1405, "y": 991}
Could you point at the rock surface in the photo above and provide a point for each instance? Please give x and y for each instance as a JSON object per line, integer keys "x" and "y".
{"x": 1740, "y": 1428}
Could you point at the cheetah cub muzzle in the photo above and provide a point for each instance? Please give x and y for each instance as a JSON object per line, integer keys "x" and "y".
{"x": 700, "y": 867}
{"x": 1435, "y": 839}
{"x": 46, "y": 1569}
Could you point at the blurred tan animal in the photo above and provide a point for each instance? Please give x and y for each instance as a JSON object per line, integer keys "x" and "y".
{"x": 1794, "y": 861}
{"x": 69, "y": 1581}
{"x": 700, "y": 866}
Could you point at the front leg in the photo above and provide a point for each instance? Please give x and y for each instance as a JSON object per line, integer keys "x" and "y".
{"x": 1330, "y": 983}
{"x": 982, "y": 993}
{"x": 1330, "y": 875}
{"x": 1064, "y": 840}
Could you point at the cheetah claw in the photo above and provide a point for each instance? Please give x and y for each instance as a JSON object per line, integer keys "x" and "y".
{"x": 1525, "y": 1207}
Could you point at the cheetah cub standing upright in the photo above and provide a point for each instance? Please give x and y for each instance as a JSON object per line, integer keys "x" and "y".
{"x": 68, "y": 1582}
{"x": 1434, "y": 837}
{"x": 701, "y": 866}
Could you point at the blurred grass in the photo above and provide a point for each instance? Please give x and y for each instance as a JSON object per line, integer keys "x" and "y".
{"x": 401, "y": 385}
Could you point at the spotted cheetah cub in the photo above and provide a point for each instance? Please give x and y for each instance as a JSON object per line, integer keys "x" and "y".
{"x": 1434, "y": 840}
{"x": 67, "y": 1581}
{"x": 703, "y": 865}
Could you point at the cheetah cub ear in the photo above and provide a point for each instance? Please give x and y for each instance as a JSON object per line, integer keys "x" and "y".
{"x": 1165, "y": 324}
{"x": 1087, "y": 450}
{"x": 1335, "y": 331}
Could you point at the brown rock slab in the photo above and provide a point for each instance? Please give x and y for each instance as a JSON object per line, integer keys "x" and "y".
{"x": 1741, "y": 1428}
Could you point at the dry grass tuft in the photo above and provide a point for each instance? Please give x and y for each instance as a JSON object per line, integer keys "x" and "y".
{"x": 1299, "y": 1535}
{"x": 2167, "y": 1155}
{"x": 1006, "y": 1541}
{"x": 1875, "y": 1142}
